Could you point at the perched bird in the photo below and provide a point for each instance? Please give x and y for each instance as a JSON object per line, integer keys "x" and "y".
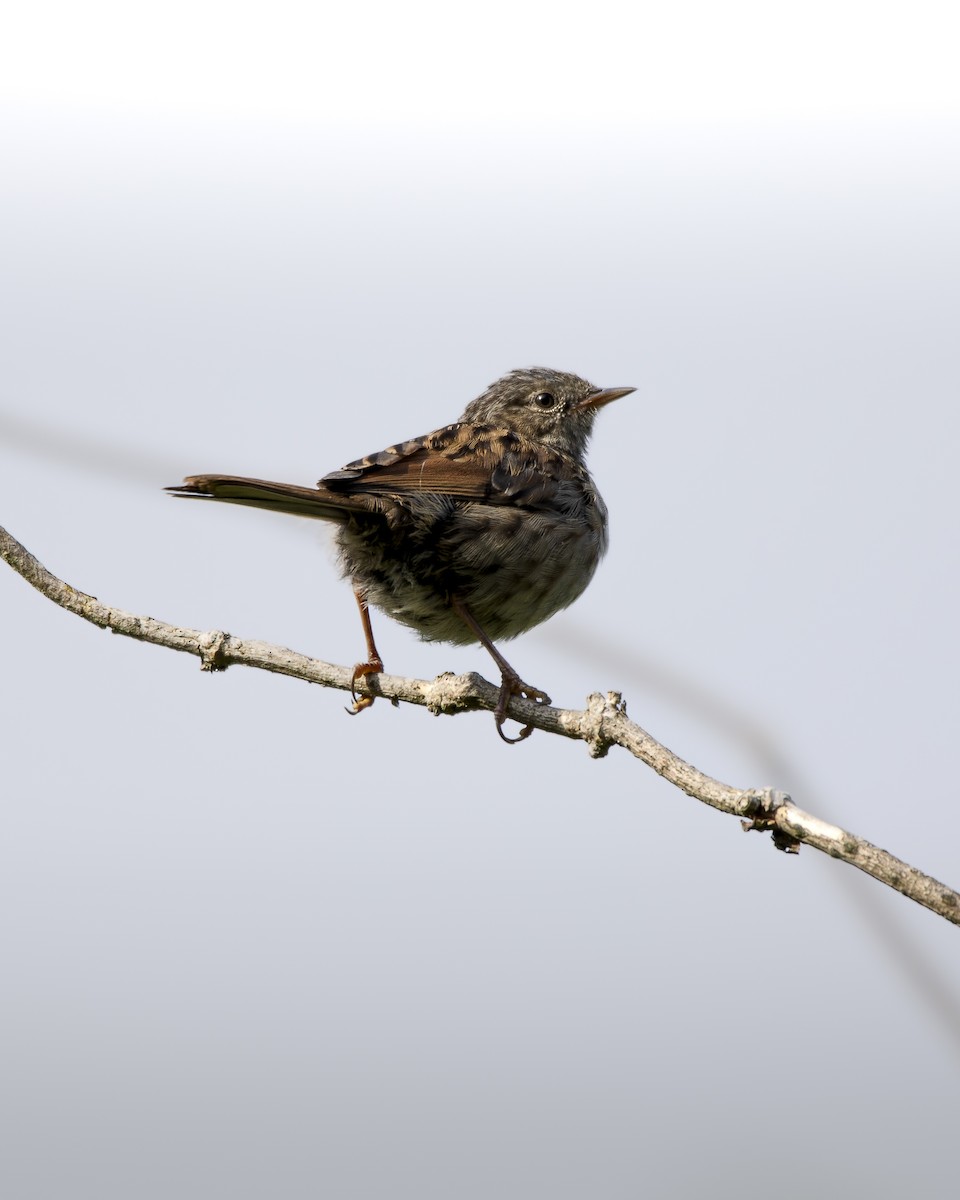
{"x": 476, "y": 532}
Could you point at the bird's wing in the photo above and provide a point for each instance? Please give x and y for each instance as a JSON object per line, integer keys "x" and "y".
{"x": 478, "y": 462}
{"x": 464, "y": 461}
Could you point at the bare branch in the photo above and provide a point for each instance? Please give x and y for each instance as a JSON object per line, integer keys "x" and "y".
{"x": 602, "y": 724}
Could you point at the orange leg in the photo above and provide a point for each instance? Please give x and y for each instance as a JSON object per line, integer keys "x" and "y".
{"x": 374, "y": 663}
{"x": 510, "y": 682}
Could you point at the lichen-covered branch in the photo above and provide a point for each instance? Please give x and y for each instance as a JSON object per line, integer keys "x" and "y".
{"x": 602, "y": 724}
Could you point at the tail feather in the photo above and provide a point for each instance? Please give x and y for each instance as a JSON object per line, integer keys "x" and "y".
{"x": 319, "y": 503}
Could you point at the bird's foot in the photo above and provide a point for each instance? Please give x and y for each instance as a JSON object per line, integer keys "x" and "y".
{"x": 512, "y": 685}
{"x": 373, "y": 667}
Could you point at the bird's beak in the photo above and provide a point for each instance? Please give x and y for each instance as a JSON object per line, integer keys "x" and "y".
{"x": 604, "y": 396}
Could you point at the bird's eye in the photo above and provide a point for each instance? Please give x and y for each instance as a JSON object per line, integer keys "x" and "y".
{"x": 544, "y": 400}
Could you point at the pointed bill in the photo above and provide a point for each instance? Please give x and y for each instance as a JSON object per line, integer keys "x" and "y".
{"x": 604, "y": 396}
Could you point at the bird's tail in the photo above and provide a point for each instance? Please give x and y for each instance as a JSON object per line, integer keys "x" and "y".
{"x": 318, "y": 502}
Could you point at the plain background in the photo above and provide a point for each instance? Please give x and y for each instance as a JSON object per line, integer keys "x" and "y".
{"x": 252, "y": 947}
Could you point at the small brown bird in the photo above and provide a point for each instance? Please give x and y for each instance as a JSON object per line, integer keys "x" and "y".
{"x": 474, "y": 533}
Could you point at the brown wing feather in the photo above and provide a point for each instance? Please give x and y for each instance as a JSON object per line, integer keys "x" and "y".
{"x": 425, "y": 470}
{"x": 474, "y": 462}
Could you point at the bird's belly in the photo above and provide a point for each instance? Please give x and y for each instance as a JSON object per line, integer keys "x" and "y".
{"x": 512, "y": 567}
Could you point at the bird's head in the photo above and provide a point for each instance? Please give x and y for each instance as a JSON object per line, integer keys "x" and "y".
{"x": 552, "y": 407}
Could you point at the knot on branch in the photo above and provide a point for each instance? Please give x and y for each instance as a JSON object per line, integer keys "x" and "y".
{"x": 762, "y": 804}
{"x": 449, "y": 693}
{"x": 592, "y": 725}
{"x": 211, "y": 646}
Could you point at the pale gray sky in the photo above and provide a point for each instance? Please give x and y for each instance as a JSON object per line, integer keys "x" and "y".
{"x": 253, "y": 947}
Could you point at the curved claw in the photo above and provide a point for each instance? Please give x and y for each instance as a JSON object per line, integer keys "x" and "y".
{"x": 521, "y": 736}
{"x": 514, "y": 686}
{"x": 374, "y": 667}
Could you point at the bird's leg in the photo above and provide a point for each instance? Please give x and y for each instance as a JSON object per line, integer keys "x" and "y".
{"x": 374, "y": 663}
{"x": 510, "y": 682}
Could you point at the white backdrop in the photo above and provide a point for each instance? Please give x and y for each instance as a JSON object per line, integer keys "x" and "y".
{"x": 252, "y": 947}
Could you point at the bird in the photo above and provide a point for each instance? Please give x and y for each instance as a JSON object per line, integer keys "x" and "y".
{"x": 474, "y": 533}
